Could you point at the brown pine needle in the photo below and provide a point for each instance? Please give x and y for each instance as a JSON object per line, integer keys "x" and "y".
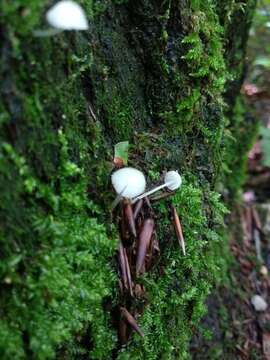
{"x": 178, "y": 230}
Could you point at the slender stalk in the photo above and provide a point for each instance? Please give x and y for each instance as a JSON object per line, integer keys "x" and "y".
{"x": 149, "y": 192}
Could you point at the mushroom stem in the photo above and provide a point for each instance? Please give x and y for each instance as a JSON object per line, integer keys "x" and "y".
{"x": 47, "y": 32}
{"x": 149, "y": 192}
{"x": 172, "y": 181}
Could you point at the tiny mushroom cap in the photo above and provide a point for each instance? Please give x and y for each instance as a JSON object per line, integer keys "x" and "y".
{"x": 67, "y": 15}
{"x": 259, "y": 303}
{"x": 173, "y": 180}
{"x": 128, "y": 182}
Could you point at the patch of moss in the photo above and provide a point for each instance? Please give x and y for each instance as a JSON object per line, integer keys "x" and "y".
{"x": 48, "y": 263}
{"x": 239, "y": 138}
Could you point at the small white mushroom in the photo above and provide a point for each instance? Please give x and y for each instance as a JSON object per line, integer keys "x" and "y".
{"x": 263, "y": 270}
{"x": 259, "y": 303}
{"x": 67, "y": 15}
{"x": 172, "y": 181}
{"x": 128, "y": 182}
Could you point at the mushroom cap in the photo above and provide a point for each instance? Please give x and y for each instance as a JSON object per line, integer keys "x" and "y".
{"x": 128, "y": 182}
{"x": 173, "y": 180}
{"x": 67, "y": 15}
{"x": 259, "y": 303}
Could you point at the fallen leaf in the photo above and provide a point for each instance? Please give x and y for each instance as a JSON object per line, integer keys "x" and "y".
{"x": 121, "y": 153}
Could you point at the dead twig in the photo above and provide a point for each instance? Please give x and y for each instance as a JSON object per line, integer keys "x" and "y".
{"x": 129, "y": 280}
{"x": 178, "y": 230}
{"x": 131, "y": 321}
{"x": 122, "y": 264}
{"x": 144, "y": 241}
{"x": 129, "y": 216}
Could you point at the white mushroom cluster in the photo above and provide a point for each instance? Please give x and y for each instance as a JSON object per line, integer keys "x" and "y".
{"x": 130, "y": 183}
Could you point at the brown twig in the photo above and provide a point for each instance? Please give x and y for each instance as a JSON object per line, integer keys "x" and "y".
{"x": 129, "y": 280}
{"x": 131, "y": 321}
{"x": 178, "y": 230}
{"x": 130, "y": 217}
{"x": 162, "y": 196}
{"x": 144, "y": 241}
{"x": 137, "y": 208}
{"x": 122, "y": 264}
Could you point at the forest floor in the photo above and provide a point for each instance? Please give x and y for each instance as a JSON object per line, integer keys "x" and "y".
{"x": 232, "y": 328}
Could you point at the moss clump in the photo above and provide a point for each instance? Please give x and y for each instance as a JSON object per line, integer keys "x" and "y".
{"x": 239, "y": 138}
{"x": 53, "y": 286}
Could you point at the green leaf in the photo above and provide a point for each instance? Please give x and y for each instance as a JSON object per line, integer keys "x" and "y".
{"x": 121, "y": 151}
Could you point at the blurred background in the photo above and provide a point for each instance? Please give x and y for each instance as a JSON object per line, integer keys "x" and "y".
{"x": 238, "y": 322}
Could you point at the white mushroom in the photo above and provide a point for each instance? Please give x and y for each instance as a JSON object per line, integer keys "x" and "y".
{"x": 128, "y": 182}
{"x": 67, "y": 15}
{"x": 259, "y": 303}
{"x": 172, "y": 181}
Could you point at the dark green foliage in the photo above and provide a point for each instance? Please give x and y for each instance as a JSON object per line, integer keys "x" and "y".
{"x": 52, "y": 283}
{"x": 150, "y": 74}
{"x": 239, "y": 138}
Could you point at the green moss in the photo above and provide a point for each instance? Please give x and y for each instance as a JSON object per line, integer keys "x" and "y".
{"x": 239, "y": 138}
{"x": 53, "y": 281}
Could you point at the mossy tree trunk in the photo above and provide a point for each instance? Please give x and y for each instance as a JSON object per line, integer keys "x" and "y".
{"x": 150, "y": 72}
